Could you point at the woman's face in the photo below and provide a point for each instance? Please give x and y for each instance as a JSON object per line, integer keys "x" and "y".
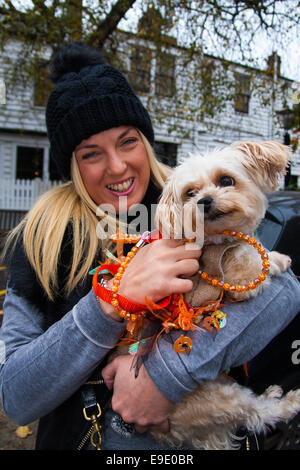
{"x": 114, "y": 164}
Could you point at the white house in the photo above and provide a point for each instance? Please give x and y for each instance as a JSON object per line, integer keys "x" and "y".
{"x": 25, "y": 170}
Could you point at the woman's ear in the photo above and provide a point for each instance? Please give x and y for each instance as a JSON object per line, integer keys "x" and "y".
{"x": 264, "y": 162}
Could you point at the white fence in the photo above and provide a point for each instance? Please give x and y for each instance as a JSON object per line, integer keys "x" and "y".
{"x": 21, "y": 194}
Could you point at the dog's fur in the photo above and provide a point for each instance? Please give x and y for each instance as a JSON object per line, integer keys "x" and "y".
{"x": 208, "y": 417}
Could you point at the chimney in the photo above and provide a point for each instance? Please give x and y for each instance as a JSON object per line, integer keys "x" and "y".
{"x": 273, "y": 65}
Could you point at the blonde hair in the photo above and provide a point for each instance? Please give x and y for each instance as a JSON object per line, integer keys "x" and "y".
{"x": 44, "y": 227}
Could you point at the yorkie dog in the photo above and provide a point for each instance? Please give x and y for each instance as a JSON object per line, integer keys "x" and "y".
{"x": 231, "y": 186}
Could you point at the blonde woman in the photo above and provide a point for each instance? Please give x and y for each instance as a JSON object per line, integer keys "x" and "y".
{"x": 56, "y": 333}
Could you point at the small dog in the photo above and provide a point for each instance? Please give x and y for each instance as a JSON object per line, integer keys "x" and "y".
{"x": 231, "y": 185}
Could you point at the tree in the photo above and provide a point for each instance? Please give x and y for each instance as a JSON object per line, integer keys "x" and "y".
{"x": 195, "y": 26}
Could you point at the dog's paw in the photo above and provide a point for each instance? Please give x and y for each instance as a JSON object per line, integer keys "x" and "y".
{"x": 274, "y": 391}
{"x": 295, "y": 394}
{"x": 279, "y": 263}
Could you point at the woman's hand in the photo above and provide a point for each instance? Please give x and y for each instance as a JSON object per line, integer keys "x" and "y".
{"x": 159, "y": 269}
{"x": 137, "y": 400}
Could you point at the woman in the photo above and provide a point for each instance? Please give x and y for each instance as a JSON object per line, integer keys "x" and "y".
{"x": 56, "y": 332}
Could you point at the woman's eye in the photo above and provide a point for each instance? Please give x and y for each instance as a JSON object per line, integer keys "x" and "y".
{"x": 89, "y": 155}
{"x": 191, "y": 192}
{"x": 226, "y": 181}
{"x": 130, "y": 140}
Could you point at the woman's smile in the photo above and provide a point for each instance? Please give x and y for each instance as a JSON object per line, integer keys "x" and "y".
{"x": 122, "y": 188}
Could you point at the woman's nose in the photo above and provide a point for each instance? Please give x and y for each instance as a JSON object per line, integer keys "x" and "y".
{"x": 116, "y": 165}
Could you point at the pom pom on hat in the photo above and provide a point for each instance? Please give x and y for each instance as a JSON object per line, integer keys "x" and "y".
{"x": 90, "y": 96}
{"x": 73, "y": 58}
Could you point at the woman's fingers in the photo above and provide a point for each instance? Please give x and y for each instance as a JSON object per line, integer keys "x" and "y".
{"x": 162, "y": 427}
{"x": 179, "y": 249}
{"x": 187, "y": 267}
{"x": 141, "y": 429}
{"x": 108, "y": 374}
{"x": 184, "y": 254}
{"x": 181, "y": 286}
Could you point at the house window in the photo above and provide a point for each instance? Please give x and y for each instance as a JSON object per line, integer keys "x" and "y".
{"x": 42, "y": 84}
{"x": 166, "y": 153}
{"x": 165, "y": 75}
{"x": 30, "y": 162}
{"x": 140, "y": 74}
{"x": 242, "y": 93}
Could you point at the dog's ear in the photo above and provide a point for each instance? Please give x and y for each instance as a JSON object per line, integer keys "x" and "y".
{"x": 264, "y": 161}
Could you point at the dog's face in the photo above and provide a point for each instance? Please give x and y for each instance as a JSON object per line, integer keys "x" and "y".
{"x": 227, "y": 186}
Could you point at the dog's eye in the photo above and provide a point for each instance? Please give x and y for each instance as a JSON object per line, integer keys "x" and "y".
{"x": 190, "y": 192}
{"x": 226, "y": 181}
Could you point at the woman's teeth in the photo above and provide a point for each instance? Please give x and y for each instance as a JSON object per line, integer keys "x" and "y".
{"x": 122, "y": 187}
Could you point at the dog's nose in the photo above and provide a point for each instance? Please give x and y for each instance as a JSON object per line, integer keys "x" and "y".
{"x": 207, "y": 202}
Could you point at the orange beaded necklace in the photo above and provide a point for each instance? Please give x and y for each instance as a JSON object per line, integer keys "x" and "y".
{"x": 251, "y": 285}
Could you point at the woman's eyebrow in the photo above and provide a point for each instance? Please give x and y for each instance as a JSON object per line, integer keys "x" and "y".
{"x": 86, "y": 146}
{"x": 125, "y": 132}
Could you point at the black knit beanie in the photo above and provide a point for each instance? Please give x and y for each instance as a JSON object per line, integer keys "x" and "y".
{"x": 90, "y": 96}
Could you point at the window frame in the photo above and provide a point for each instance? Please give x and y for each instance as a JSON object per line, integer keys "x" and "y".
{"x": 242, "y": 93}
{"x": 33, "y": 143}
{"x": 162, "y": 77}
{"x": 140, "y": 77}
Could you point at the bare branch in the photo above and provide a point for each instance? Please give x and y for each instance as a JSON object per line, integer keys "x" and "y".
{"x": 106, "y": 27}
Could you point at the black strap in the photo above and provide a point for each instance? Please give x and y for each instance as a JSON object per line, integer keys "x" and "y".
{"x": 89, "y": 399}
{"x": 95, "y": 392}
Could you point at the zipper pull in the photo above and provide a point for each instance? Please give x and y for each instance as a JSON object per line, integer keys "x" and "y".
{"x": 96, "y": 438}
